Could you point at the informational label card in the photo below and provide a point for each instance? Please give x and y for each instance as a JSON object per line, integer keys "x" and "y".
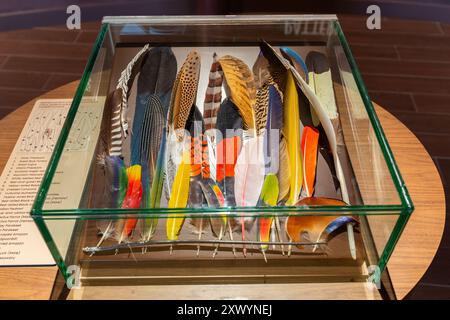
{"x": 20, "y": 240}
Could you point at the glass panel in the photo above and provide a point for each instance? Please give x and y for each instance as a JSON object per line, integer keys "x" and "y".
{"x": 300, "y": 253}
{"x": 349, "y": 223}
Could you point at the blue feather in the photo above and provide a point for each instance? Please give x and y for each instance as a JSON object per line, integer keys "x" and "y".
{"x": 272, "y": 134}
{"x": 291, "y": 53}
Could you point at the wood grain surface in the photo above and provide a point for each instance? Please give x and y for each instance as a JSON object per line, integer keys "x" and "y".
{"x": 412, "y": 256}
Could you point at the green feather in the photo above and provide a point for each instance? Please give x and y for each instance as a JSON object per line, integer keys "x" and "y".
{"x": 269, "y": 197}
{"x": 156, "y": 190}
{"x": 270, "y": 190}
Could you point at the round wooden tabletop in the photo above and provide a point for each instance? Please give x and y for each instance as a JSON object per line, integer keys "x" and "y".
{"x": 411, "y": 258}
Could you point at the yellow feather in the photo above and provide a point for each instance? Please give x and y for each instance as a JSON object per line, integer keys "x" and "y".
{"x": 179, "y": 197}
{"x": 284, "y": 173}
{"x": 241, "y": 84}
{"x": 291, "y": 132}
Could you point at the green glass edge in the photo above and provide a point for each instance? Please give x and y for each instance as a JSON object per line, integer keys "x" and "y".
{"x": 356, "y": 210}
{"x": 407, "y": 206}
{"x": 36, "y": 211}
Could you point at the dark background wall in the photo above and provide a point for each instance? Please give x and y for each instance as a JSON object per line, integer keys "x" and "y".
{"x": 405, "y": 65}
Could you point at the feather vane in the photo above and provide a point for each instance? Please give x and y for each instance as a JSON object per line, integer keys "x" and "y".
{"x": 179, "y": 197}
{"x": 310, "y": 140}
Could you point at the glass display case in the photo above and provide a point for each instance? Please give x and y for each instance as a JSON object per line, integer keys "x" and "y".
{"x": 220, "y": 150}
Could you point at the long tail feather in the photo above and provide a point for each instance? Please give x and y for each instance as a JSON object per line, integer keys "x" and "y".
{"x": 291, "y": 131}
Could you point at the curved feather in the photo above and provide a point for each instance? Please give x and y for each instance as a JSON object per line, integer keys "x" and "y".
{"x": 295, "y": 60}
{"x": 179, "y": 197}
{"x": 241, "y": 86}
{"x": 317, "y": 228}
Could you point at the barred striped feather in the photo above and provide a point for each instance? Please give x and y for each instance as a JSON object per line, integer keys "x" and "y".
{"x": 213, "y": 95}
{"x": 123, "y": 84}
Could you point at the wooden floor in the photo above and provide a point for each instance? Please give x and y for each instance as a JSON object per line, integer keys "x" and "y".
{"x": 405, "y": 65}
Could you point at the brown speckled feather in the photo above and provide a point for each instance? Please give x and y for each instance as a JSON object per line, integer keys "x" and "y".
{"x": 241, "y": 85}
{"x": 184, "y": 92}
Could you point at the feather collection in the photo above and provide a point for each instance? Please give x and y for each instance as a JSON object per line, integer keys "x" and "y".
{"x": 250, "y": 148}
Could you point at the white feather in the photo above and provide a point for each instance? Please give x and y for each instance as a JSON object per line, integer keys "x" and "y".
{"x": 249, "y": 173}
